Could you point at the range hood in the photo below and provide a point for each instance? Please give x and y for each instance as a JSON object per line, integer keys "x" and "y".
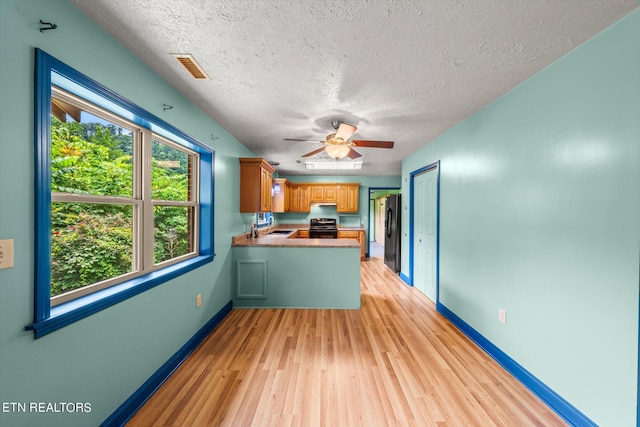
{"x": 324, "y": 204}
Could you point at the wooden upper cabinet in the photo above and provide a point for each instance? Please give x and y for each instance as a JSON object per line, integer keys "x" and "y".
{"x": 348, "y": 198}
{"x": 255, "y": 185}
{"x": 265, "y": 190}
{"x": 317, "y": 193}
{"x": 305, "y": 202}
{"x": 323, "y": 193}
{"x": 299, "y": 197}
{"x": 294, "y": 198}
{"x": 330, "y": 192}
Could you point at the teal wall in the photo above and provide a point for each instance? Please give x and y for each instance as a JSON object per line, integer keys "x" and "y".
{"x": 540, "y": 215}
{"x": 104, "y": 358}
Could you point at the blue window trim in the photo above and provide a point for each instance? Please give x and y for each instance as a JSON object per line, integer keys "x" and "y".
{"x": 47, "y": 319}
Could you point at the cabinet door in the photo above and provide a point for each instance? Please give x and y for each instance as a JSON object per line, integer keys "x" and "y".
{"x": 349, "y": 234}
{"x": 265, "y": 193}
{"x": 348, "y": 198}
{"x": 305, "y": 203}
{"x": 330, "y": 193}
{"x": 352, "y": 199}
{"x": 342, "y": 198}
{"x": 317, "y": 193}
{"x": 294, "y": 199}
{"x": 287, "y": 197}
{"x": 299, "y": 198}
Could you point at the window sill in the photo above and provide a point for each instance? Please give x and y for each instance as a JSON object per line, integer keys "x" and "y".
{"x": 72, "y": 311}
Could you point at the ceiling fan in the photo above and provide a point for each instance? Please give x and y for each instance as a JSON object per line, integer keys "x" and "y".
{"x": 338, "y": 145}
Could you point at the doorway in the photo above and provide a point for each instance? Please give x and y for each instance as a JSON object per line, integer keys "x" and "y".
{"x": 424, "y": 236}
{"x": 376, "y": 228}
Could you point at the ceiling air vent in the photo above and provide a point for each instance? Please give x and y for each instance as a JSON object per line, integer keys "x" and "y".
{"x": 189, "y": 62}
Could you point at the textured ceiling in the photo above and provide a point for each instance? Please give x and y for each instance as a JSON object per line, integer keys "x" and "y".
{"x": 405, "y": 71}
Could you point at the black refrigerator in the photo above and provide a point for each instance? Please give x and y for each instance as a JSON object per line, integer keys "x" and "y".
{"x": 392, "y": 215}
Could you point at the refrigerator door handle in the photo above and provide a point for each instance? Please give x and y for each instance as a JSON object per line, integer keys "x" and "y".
{"x": 388, "y": 222}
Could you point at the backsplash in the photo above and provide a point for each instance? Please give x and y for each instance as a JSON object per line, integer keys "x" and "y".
{"x": 352, "y": 220}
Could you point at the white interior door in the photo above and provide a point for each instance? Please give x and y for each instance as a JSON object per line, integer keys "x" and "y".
{"x": 425, "y": 196}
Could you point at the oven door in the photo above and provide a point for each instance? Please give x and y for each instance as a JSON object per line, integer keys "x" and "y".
{"x": 323, "y": 234}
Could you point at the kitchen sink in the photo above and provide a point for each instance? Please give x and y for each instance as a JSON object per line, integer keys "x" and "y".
{"x": 281, "y": 231}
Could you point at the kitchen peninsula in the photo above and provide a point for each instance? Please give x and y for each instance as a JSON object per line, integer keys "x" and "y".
{"x": 277, "y": 269}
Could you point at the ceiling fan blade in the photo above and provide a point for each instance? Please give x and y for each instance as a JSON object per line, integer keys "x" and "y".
{"x": 353, "y": 154}
{"x": 303, "y": 140}
{"x": 345, "y": 131}
{"x": 372, "y": 144}
{"x": 314, "y": 152}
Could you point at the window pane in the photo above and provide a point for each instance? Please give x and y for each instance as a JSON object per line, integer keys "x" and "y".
{"x": 170, "y": 173}
{"x": 89, "y": 243}
{"x": 89, "y": 155}
{"x": 173, "y": 232}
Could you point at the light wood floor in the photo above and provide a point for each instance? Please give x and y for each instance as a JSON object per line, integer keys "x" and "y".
{"x": 394, "y": 362}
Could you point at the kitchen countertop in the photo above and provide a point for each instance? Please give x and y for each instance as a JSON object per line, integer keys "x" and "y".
{"x": 283, "y": 240}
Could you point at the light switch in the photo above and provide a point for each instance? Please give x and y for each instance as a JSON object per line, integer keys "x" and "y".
{"x": 6, "y": 253}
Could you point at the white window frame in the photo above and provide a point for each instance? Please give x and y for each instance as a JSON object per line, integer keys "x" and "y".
{"x": 142, "y": 203}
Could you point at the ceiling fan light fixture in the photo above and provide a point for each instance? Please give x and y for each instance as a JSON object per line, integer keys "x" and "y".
{"x": 338, "y": 151}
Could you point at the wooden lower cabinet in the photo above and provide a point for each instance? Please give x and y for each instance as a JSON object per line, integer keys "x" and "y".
{"x": 359, "y": 236}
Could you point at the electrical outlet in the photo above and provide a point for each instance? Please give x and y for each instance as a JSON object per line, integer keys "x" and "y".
{"x": 502, "y": 316}
{"x": 6, "y": 253}
{"x": 198, "y": 300}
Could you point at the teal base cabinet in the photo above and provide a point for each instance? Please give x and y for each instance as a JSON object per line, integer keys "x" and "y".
{"x": 251, "y": 279}
{"x": 300, "y": 277}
